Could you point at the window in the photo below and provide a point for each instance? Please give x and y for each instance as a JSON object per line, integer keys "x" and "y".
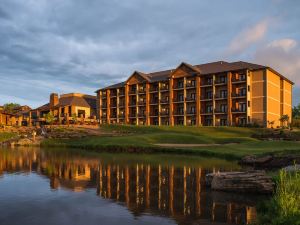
{"x": 242, "y": 107}
{"x": 248, "y": 88}
{"x": 223, "y": 93}
{"x": 209, "y": 95}
{"x": 81, "y": 113}
{"x": 193, "y": 110}
{"x": 242, "y": 121}
{"x": 223, "y": 122}
{"x": 242, "y": 76}
{"x": 193, "y": 82}
{"x": 180, "y": 111}
{"x": 248, "y": 103}
{"x": 193, "y": 96}
{"x": 180, "y": 97}
{"x": 242, "y": 91}
{"x": 209, "y": 109}
{"x": 180, "y": 84}
{"x": 223, "y": 79}
{"x": 223, "y": 108}
{"x": 208, "y": 122}
{"x": 209, "y": 81}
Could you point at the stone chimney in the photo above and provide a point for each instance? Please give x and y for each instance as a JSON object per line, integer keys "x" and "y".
{"x": 53, "y": 100}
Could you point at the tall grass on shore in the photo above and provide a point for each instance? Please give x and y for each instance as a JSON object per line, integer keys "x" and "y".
{"x": 284, "y": 207}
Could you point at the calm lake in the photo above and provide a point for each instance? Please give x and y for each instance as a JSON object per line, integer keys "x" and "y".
{"x": 59, "y": 186}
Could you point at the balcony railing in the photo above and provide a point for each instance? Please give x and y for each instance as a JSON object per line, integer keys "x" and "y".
{"x": 113, "y": 105}
{"x": 238, "y": 94}
{"x": 241, "y": 79}
{"x": 190, "y": 85}
{"x": 206, "y": 97}
{"x": 132, "y": 115}
{"x": 153, "y": 114}
{"x": 238, "y": 110}
{"x": 179, "y": 113}
{"x": 153, "y": 89}
{"x": 121, "y": 104}
{"x": 113, "y": 116}
{"x": 221, "y": 82}
{"x": 207, "y": 83}
{"x": 142, "y": 90}
{"x": 132, "y": 92}
{"x": 206, "y": 111}
{"x": 153, "y": 101}
{"x": 178, "y": 100}
{"x": 121, "y": 115}
{"x": 164, "y": 101}
{"x": 221, "y": 96}
{"x": 141, "y": 115}
{"x": 132, "y": 103}
{"x": 113, "y": 95}
{"x": 190, "y": 99}
{"x": 104, "y": 106}
{"x": 190, "y": 112}
{"x": 121, "y": 93}
{"x": 220, "y": 111}
{"x": 164, "y": 88}
{"x": 165, "y": 113}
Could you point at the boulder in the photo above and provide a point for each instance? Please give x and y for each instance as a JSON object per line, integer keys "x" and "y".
{"x": 292, "y": 168}
{"x": 249, "y": 182}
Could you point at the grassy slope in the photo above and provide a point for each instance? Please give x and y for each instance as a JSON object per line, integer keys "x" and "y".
{"x": 146, "y": 137}
{"x": 6, "y": 136}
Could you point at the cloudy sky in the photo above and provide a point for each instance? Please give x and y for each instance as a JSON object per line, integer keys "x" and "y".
{"x": 79, "y": 46}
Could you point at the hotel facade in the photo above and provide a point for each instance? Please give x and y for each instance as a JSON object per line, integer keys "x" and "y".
{"x": 213, "y": 94}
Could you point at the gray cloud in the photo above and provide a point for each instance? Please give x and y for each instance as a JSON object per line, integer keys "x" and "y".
{"x": 81, "y": 46}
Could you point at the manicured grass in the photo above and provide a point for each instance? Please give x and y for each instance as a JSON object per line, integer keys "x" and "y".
{"x": 144, "y": 139}
{"x": 4, "y": 136}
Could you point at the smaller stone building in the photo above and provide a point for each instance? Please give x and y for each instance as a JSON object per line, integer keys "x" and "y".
{"x": 66, "y": 108}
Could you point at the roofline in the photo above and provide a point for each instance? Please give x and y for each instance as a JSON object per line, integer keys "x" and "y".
{"x": 196, "y": 69}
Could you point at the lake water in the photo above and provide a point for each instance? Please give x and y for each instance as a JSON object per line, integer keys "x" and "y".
{"x": 58, "y": 186}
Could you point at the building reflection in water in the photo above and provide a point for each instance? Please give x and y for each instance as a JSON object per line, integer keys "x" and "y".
{"x": 173, "y": 191}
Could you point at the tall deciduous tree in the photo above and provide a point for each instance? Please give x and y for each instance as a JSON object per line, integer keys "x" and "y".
{"x": 10, "y": 107}
{"x": 296, "y": 112}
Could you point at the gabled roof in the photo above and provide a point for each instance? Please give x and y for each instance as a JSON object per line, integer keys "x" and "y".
{"x": 143, "y": 75}
{"x": 202, "y": 69}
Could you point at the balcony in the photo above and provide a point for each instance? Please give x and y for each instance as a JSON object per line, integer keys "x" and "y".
{"x": 237, "y": 110}
{"x": 141, "y": 115}
{"x": 164, "y": 88}
{"x": 191, "y": 112}
{"x": 179, "y": 113}
{"x": 153, "y": 114}
{"x": 153, "y": 102}
{"x": 113, "y": 94}
{"x": 104, "y": 106}
{"x": 142, "y": 90}
{"x": 122, "y": 104}
{"x": 221, "y": 82}
{"x": 237, "y": 80}
{"x": 113, "y": 105}
{"x": 206, "y": 97}
{"x": 164, "y": 101}
{"x": 132, "y": 115}
{"x": 113, "y": 116}
{"x": 153, "y": 89}
{"x": 206, "y": 111}
{"x": 121, "y": 93}
{"x": 221, "y": 96}
{"x": 132, "y": 92}
{"x": 206, "y": 83}
{"x": 178, "y": 100}
{"x": 132, "y": 104}
{"x": 191, "y": 85}
{"x": 190, "y": 99}
{"x": 178, "y": 87}
{"x": 220, "y": 111}
{"x": 164, "y": 113}
{"x": 141, "y": 102}
{"x": 121, "y": 115}
{"x": 238, "y": 95}
{"x": 103, "y": 96}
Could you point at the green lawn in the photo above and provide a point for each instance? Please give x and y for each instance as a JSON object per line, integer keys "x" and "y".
{"x": 145, "y": 138}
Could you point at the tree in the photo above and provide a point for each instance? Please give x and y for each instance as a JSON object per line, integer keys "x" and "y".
{"x": 296, "y": 112}
{"x": 10, "y": 107}
{"x": 284, "y": 119}
{"x": 49, "y": 117}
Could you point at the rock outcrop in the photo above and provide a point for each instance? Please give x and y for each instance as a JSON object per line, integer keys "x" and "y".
{"x": 269, "y": 161}
{"x": 242, "y": 182}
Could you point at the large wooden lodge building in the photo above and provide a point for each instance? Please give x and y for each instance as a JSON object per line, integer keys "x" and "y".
{"x": 213, "y": 94}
